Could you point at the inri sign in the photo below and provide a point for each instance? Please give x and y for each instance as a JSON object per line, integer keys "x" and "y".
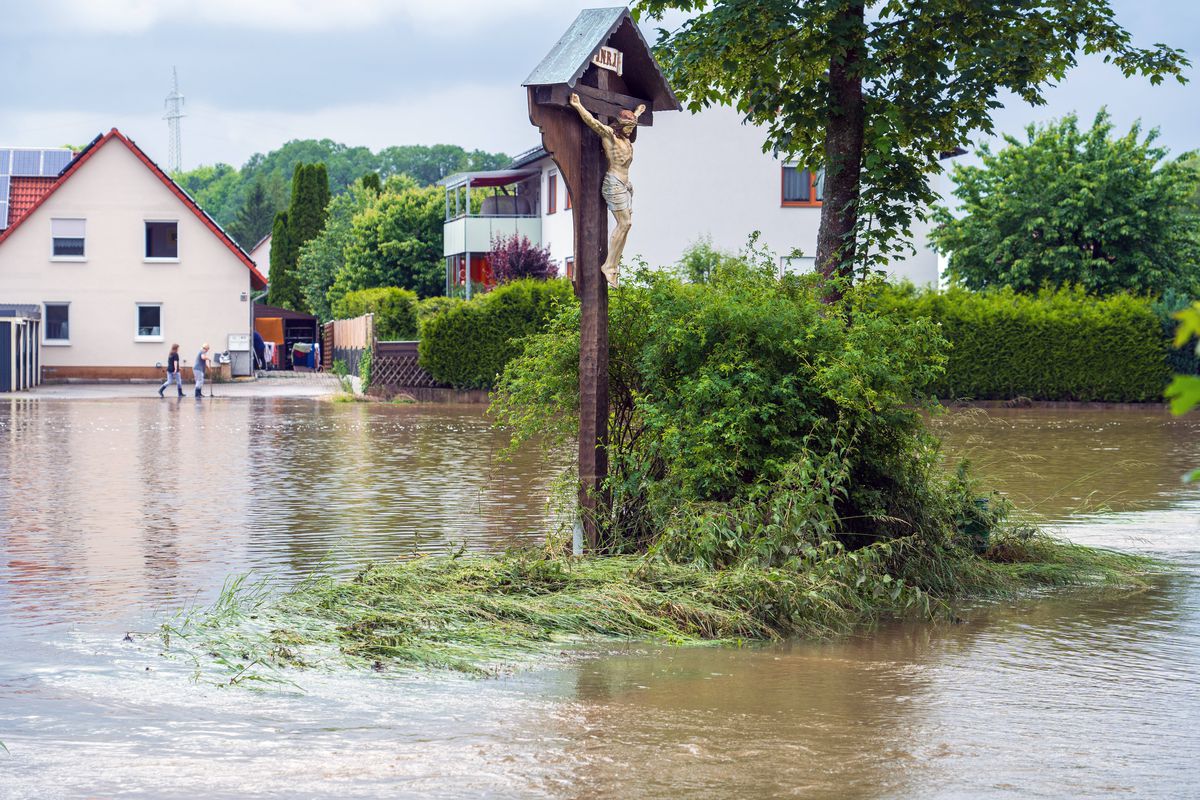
{"x": 610, "y": 58}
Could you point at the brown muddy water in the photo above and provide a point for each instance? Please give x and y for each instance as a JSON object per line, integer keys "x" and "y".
{"x": 116, "y": 513}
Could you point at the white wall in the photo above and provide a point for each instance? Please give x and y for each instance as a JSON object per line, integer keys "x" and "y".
{"x": 261, "y": 256}
{"x": 201, "y": 293}
{"x": 705, "y": 175}
{"x": 557, "y": 230}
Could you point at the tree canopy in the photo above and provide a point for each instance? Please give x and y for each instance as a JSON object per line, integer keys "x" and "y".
{"x": 1072, "y": 206}
{"x": 221, "y": 189}
{"x": 876, "y": 90}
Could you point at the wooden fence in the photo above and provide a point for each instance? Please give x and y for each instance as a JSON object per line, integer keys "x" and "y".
{"x": 394, "y": 365}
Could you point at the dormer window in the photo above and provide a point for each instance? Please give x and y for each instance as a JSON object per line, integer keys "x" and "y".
{"x": 162, "y": 241}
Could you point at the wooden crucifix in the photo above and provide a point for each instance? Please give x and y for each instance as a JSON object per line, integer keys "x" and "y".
{"x": 598, "y": 83}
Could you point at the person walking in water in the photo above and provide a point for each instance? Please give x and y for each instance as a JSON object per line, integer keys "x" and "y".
{"x": 174, "y": 374}
{"x": 199, "y": 369}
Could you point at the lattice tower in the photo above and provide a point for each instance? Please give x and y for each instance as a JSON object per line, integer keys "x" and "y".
{"x": 174, "y": 105}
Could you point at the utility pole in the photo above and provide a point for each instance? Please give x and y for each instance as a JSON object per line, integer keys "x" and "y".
{"x": 174, "y": 105}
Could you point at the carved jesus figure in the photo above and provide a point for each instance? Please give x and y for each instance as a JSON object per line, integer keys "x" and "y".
{"x": 617, "y": 190}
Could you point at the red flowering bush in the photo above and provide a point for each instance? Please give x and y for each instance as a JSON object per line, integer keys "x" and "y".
{"x": 515, "y": 257}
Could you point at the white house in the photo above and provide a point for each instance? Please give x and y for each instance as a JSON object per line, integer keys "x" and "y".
{"x": 120, "y": 260}
{"x": 695, "y": 176}
{"x": 260, "y": 254}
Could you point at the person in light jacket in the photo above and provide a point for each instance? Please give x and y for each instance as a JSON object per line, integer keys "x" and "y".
{"x": 174, "y": 374}
{"x": 199, "y": 368}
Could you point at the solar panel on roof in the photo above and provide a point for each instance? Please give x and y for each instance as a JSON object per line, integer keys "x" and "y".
{"x": 3, "y": 216}
{"x": 5, "y": 156}
{"x": 4, "y": 182}
{"x": 53, "y": 161}
{"x": 27, "y": 163}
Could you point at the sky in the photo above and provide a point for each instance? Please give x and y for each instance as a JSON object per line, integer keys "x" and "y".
{"x": 257, "y": 73}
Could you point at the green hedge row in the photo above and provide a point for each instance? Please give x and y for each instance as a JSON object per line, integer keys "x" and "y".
{"x": 395, "y": 311}
{"x": 467, "y": 345}
{"x": 1055, "y": 345}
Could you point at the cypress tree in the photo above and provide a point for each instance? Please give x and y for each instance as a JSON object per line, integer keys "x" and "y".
{"x": 284, "y": 287}
{"x": 310, "y": 196}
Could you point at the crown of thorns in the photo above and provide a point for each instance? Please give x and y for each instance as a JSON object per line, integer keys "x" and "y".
{"x": 626, "y": 115}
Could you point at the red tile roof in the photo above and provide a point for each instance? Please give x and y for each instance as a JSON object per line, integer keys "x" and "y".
{"x": 23, "y": 194}
{"x": 257, "y": 280}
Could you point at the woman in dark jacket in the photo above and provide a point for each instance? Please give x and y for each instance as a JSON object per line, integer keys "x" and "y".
{"x": 173, "y": 374}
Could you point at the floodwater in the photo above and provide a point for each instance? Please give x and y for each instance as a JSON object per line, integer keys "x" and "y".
{"x": 116, "y": 513}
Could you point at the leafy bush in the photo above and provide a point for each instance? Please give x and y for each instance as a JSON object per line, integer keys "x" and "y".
{"x": 1070, "y": 206}
{"x": 1054, "y": 345}
{"x": 394, "y": 309}
{"x": 515, "y": 257}
{"x": 749, "y": 421}
{"x": 468, "y": 345}
{"x": 1181, "y": 360}
{"x": 430, "y": 307}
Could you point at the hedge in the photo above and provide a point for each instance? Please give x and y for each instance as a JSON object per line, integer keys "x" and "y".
{"x": 394, "y": 309}
{"x": 467, "y": 345}
{"x": 1054, "y": 345}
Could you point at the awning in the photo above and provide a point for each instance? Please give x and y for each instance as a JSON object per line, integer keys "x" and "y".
{"x": 499, "y": 177}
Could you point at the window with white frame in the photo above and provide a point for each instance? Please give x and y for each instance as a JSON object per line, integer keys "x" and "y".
{"x": 162, "y": 240}
{"x": 57, "y": 326}
{"x": 149, "y": 322}
{"x": 68, "y": 238}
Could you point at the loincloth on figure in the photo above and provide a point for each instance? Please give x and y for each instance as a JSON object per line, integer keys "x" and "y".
{"x": 617, "y": 193}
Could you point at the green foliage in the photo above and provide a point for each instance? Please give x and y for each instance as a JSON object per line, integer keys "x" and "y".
{"x": 1181, "y": 360}
{"x": 255, "y": 218}
{"x": 324, "y": 256}
{"x": 1184, "y": 390}
{"x": 1069, "y": 206}
{"x": 394, "y": 309}
{"x": 284, "y": 290}
{"x": 396, "y": 240}
{"x": 365, "y": 361}
{"x": 371, "y": 181}
{"x": 468, "y": 344}
{"x": 1053, "y": 345}
{"x": 221, "y": 190}
{"x": 310, "y": 197}
{"x": 928, "y": 76}
{"x": 748, "y": 423}
{"x": 430, "y": 307}
{"x": 701, "y": 260}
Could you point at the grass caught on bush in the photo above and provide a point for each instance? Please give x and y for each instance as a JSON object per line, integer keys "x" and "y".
{"x": 476, "y": 613}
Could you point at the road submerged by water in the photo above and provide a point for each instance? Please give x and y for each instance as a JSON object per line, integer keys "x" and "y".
{"x": 120, "y": 510}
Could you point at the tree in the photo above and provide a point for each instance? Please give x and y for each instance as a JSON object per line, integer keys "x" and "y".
{"x": 284, "y": 289}
{"x": 305, "y": 219}
{"x": 323, "y": 257}
{"x": 515, "y": 257}
{"x": 396, "y": 241}
{"x": 875, "y": 98}
{"x": 255, "y": 218}
{"x": 371, "y": 181}
{"x": 1071, "y": 206}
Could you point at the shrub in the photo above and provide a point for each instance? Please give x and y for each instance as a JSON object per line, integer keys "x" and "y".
{"x": 394, "y": 309}
{"x": 1053, "y": 345}
{"x": 468, "y": 345}
{"x": 430, "y": 307}
{"x": 515, "y": 257}
{"x": 749, "y": 421}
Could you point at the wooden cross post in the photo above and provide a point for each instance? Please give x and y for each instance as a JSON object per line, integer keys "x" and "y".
{"x": 580, "y": 159}
{"x": 604, "y": 59}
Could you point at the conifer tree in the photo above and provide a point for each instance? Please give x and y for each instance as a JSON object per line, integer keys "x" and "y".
{"x": 284, "y": 287}
{"x": 255, "y": 217}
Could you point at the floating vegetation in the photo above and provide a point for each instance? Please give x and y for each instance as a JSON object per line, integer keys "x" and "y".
{"x": 479, "y": 614}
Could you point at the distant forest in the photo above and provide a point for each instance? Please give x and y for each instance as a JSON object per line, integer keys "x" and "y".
{"x": 244, "y": 201}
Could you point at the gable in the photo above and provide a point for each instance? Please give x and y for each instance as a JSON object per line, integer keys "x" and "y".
{"x": 137, "y": 182}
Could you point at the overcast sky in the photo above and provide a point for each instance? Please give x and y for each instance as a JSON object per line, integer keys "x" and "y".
{"x": 257, "y": 73}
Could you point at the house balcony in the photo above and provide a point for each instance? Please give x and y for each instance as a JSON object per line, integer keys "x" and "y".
{"x": 481, "y": 206}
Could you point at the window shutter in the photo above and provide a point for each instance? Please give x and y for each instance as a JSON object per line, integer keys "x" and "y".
{"x": 67, "y": 228}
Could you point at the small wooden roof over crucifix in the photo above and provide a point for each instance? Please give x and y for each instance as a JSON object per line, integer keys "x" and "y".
{"x": 603, "y": 39}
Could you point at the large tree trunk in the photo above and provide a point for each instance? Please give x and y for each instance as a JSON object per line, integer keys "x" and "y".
{"x": 836, "y": 241}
